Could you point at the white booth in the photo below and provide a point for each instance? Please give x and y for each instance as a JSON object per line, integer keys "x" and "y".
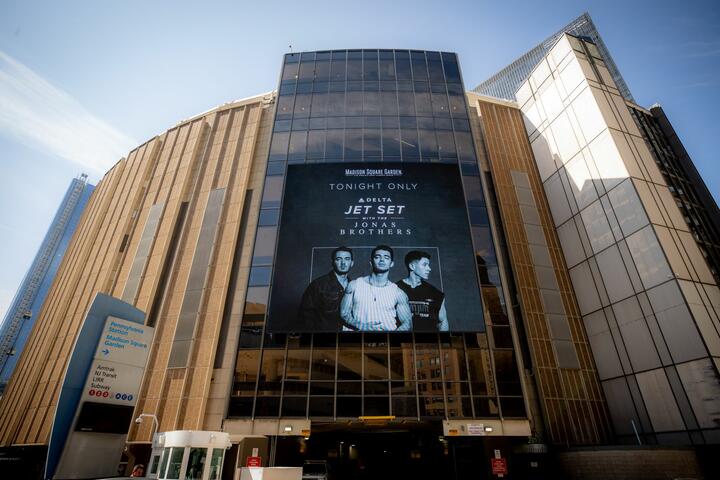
{"x": 188, "y": 455}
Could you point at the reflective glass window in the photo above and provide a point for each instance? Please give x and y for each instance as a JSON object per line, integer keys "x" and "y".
{"x": 648, "y": 256}
{"x": 465, "y": 148}
{"x": 298, "y": 141}
{"x": 322, "y": 70}
{"x": 334, "y": 144}
{"x": 294, "y": 406}
{"x": 419, "y": 67}
{"x": 278, "y": 147}
{"x": 216, "y": 462}
{"x": 348, "y": 407}
{"x": 371, "y": 103}
{"x": 428, "y": 144}
{"x": 353, "y": 144}
{"x": 409, "y": 142}
{"x": 597, "y": 227}
{"x": 388, "y": 103}
{"x": 285, "y": 107}
{"x": 354, "y": 68}
{"x": 628, "y": 209}
{"x": 290, "y": 71}
{"x": 402, "y": 65}
{"x": 404, "y": 406}
{"x": 321, "y": 407}
{"x": 372, "y": 143}
{"x": 173, "y": 471}
{"x": 435, "y": 70}
{"x": 486, "y": 407}
{"x": 512, "y": 407}
{"x": 336, "y": 104}
{"x": 196, "y": 463}
{"x": 506, "y": 372}
{"x": 376, "y": 406}
{"x": 259, "y": 276}
{"x": 440, "y": 104}
{"x": 337, "y": 67}
{"x": 316, "y": 144}
{"x": 323, "y": 364}
{"x": 267, "y": 406}
{"x": 387, "y": 66}
{"x": 319, "y": 104}
{"x": 370, "y": 65}
{"x": 452, "y": 72}
{"x": 349, "y": 364}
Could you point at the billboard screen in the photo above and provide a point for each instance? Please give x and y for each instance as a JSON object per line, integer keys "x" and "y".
{"x": 374, "y": 247}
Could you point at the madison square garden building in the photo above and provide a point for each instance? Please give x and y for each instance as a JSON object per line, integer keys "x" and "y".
{"x": 372, "y": 266}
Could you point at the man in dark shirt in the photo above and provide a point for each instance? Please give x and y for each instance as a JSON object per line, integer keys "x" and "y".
{"x": 320, "y": 305}
{"x": 426, "y": 302}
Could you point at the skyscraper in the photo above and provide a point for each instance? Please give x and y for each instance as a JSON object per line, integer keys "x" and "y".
{"x": 506, "y": 82}
{"x": 25, "y": 307}
{"x": 648, "y": 299}
{"x": 696, "y": 203}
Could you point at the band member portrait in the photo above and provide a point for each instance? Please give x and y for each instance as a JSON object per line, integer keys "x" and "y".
{"x": 427, "y": 303}
{"x": 374, "y": 303}
{"x": 320, "y": 304}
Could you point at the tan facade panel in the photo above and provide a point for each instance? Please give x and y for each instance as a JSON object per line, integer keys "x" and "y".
{"x": 146, "y": 223}
{"x": 565, "y": 375}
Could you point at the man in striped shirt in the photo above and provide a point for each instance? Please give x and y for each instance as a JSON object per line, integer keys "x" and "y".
{"x": 374, "y": 303}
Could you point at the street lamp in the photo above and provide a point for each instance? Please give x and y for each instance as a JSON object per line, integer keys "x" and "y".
{"x": 156, "y": 424}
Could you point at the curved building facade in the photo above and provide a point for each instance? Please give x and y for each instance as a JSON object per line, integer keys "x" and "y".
{"x": 362, "y": 266}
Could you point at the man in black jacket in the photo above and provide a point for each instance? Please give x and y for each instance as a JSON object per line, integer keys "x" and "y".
{"x": 320, "y": 305}
{"x": 426, "y": 302}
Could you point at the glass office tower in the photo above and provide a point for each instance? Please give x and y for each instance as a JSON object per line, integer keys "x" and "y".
{"x": 25, "y": 307}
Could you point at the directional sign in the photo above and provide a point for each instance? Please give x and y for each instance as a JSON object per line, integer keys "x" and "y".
{"x": 119, "y": 363}
{"x": 111, "y": 382}
{"x": 124, "y": 342}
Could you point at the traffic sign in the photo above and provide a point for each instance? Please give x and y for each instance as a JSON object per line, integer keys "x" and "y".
{"x": 499, "y": 466}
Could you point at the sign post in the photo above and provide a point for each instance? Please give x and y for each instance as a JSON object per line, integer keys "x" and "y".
{"x": 499, "y": 465}
{"x": 99, "y": 391}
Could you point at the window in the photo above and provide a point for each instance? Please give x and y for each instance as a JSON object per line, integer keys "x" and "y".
{"x": 628, "y": 209}
{"x": 649, "y": 258}
{"x": 176, "y": 457}
{"x": 196, "y": 463}
{"x": 216, "y": 462}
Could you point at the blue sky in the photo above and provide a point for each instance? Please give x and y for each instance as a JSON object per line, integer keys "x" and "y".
{"x": 83, "y": 82}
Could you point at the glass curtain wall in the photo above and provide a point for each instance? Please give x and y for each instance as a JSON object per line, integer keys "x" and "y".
{"x": 373, "y": 106}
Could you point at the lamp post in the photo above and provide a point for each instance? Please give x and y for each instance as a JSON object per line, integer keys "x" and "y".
{"x": 156, "y": 424}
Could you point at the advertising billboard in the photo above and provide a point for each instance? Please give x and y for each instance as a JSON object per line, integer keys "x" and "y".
{"x": 374, "y": 247}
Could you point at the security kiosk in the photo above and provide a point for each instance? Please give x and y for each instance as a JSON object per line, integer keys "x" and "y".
{"x": 188, "y": 454}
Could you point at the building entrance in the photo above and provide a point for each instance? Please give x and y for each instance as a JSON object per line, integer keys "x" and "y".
{"x": 380, "y": 453}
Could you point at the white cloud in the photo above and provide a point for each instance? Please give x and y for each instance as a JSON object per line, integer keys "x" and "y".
{"x": 42, "y": 116}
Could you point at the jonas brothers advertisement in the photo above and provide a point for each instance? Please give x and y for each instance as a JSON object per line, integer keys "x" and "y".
{"x": 374, "y": 247}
